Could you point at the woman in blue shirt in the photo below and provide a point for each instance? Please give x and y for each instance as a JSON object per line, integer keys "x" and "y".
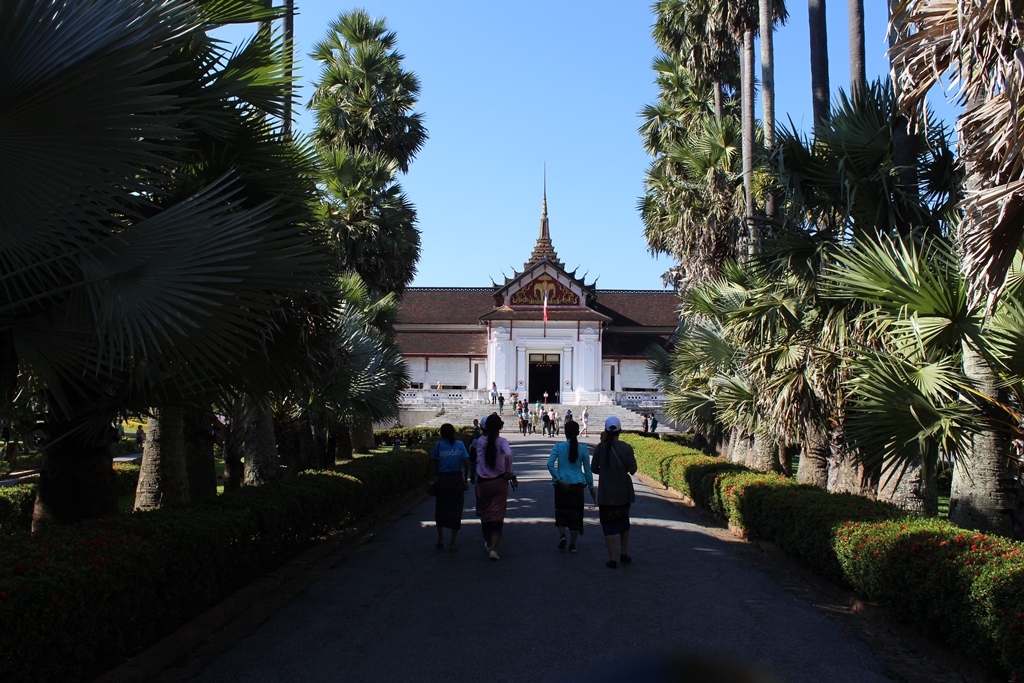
{"x": 452, "y": 461}
{"x": 569, "y": 465}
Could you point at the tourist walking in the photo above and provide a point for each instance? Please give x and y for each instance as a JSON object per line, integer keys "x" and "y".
{"x": 534, "y": 417}
{"x": 501, "y": 403}
{"x": 452, "y": 461}
{"x": 494, "y": 475}
{"x": 614, "y": 462}
{"x": 569, "y": 465}
{"x": 494, "y": 393}
{"x": 643, "y": 423}
{"x": 654, "y": 423}
{"x": 584, "y": 417}
{"x": 546, "y": 419}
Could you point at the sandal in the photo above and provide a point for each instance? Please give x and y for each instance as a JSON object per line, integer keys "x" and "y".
{"x": 561, "y": 543}
{"x": 625, "y": 559}
{"x": 439, "y": 546}
{"x": 611, "y": 564}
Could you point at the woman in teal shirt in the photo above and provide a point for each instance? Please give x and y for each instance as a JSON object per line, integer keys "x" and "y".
{"x": 569, "y": 465}
{"x": 452, "y": 461}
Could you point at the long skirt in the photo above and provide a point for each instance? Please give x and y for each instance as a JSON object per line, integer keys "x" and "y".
{"x": 492, "y": 501}
{"x": 451, "y": 498}
{"x": 569, "y": 507}
{"x": 614, "y": 519}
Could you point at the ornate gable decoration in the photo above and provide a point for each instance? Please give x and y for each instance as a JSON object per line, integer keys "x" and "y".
{"x": 532, "y": 293}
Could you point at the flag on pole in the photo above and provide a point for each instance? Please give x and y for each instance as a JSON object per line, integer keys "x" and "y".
{"x": 545, "y": 305}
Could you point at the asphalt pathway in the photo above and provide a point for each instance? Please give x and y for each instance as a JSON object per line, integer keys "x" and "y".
{"x": 397, "y": 609}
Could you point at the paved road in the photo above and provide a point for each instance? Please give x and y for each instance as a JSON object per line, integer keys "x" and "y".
{"x": 399, "y": 610}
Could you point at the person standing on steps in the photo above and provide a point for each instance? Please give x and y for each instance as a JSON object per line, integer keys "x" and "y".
{"x": 452, "y": 461}
{"x": 569, "y": 465}
{"x": 614, "y": 462}
{"x": 654, "y": 423}
{"x": 643, "y": 423}
{"x": 585, "y": 416}
{"x": 494, "y": 475}
{"x": 501, "y": 403}
{"x": 534, "y": 418}
{"x": 494, "y": 393}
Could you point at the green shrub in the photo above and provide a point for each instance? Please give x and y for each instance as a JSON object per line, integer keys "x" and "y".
{"x": 16, "y": 507}
{"x": 962, "y": 587}
{"x": 178, "y": 562}
{"x": 418, "y": 437}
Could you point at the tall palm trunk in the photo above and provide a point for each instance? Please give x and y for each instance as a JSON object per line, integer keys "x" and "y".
{"x": 200, "y": 437}
{"x": 819, "y": 61}
{"x": 858, "y": 71}
{"x": 739, "y": 447}
{"x": 362, "y": 435}
{"x": 747, "y": 125}
{"x": 260, "y": 445}
{"x": 767, "y": 26}
{"x": 163, "y": 478}
{"x": 814, "y": 458}
{"x": 904, "y": 146}
{"x": 76, "y": 480}
{"x": 289, "y": 63}
{"x": 982, "y": 492}
{"x": 762, "y": 456}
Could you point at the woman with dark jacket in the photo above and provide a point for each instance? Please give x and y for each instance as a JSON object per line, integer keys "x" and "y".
{"x": 614, "y": 462}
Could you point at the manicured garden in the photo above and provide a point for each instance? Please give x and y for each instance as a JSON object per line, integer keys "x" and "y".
{"x": 965, "y": 589}
{"x": 115, "y": 585}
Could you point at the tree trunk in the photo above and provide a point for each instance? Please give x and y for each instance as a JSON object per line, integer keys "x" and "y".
{"x": 747, "y": 125}
{"x": 909, "y": 486}
{"x": 858, "y": 72}
{"x": 289, "y": 64}
{"x": 850, "y": 475}
{"x": 344, "y": 447}
{"x": 982, "y": 493}
{"x": 767, "y": 26}
{"x": 199, "y": 456}
{"x": 740, "y": 447}
{"x": 76, "y": 480}
{"x": 261, "y": 463}
{"x": 716, "y": 85}
{"x": 362, "y": 436}
{"x": 762, "y": 457}
{"x": 904, "y": 149}
{"x": 819, "y": 61}
{"x": 234, "y": 470}
{"x": 163, "y": 478}
{"x": 814, "y": 458}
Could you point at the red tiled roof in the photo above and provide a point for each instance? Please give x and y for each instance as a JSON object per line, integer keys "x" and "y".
{"x": 505, "y": 313}
{"x": 445, "y": 305}
{"x": 646, "y": 308}
{"x": 470, "y": 305}
{"x": 630, "y": 344}
{"x": 443, "y": 343}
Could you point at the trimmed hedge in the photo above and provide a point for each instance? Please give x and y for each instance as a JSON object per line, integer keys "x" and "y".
{"x": 963, "y": 588}
{"x": 418, "y": 437}
{"x": 16, "y": 502}
{"x": 111, "y": 587}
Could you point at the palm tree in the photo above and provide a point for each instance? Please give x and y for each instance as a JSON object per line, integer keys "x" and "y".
{"x": 161, "y": 254}
{"x": 977, "y": 43}
{"x": 770, "y": 12}
{"x": 364, "y": 98}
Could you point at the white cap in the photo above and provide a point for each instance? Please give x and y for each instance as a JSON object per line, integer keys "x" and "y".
{"x": 612, "y": 424}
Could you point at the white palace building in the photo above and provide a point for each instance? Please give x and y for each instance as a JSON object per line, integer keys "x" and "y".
{"x": 584, "y": 347}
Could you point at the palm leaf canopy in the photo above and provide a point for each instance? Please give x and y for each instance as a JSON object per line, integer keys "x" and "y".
{"x": 154, "y": 237}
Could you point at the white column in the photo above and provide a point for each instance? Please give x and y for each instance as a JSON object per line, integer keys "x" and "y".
{"x": 521, "y": 367}
{"x": 567, "y": 378}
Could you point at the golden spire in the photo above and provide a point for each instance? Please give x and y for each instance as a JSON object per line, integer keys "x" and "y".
{"x": 543, "y": 249}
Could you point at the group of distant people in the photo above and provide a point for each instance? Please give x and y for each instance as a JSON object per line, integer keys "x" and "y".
{"x": 649, "y": 423}
{"x": 488, "y": 465}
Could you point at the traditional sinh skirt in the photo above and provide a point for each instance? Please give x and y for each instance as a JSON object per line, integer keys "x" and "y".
{"x": 451, "y": 498}
{"x": 569, "y": 507}
{"x": 492, "y": 501}
{"x": 614, "y": 519}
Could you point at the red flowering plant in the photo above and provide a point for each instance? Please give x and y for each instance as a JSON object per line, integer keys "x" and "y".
{"x": 997, "y": 600}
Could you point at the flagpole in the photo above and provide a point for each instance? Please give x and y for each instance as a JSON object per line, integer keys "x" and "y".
{"x": 545, "y": 312}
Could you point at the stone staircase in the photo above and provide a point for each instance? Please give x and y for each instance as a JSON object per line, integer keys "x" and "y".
{"x": 464, "y": 414}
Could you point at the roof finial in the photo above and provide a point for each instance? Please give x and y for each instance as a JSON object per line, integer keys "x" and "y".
{"x": 544, "y": 234}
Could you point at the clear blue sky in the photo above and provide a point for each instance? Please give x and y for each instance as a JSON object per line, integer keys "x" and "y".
{"x": 507, "y": 87}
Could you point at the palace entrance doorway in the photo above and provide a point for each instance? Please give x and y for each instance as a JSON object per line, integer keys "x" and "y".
{"x": 545, "y": 371}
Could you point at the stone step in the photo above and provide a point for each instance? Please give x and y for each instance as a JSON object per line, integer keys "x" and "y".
{"x": 463, "y": 414}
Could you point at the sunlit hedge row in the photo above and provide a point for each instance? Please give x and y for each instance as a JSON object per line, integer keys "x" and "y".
{"x": 963, "y": 588}
{"x": 77, "y": 600}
